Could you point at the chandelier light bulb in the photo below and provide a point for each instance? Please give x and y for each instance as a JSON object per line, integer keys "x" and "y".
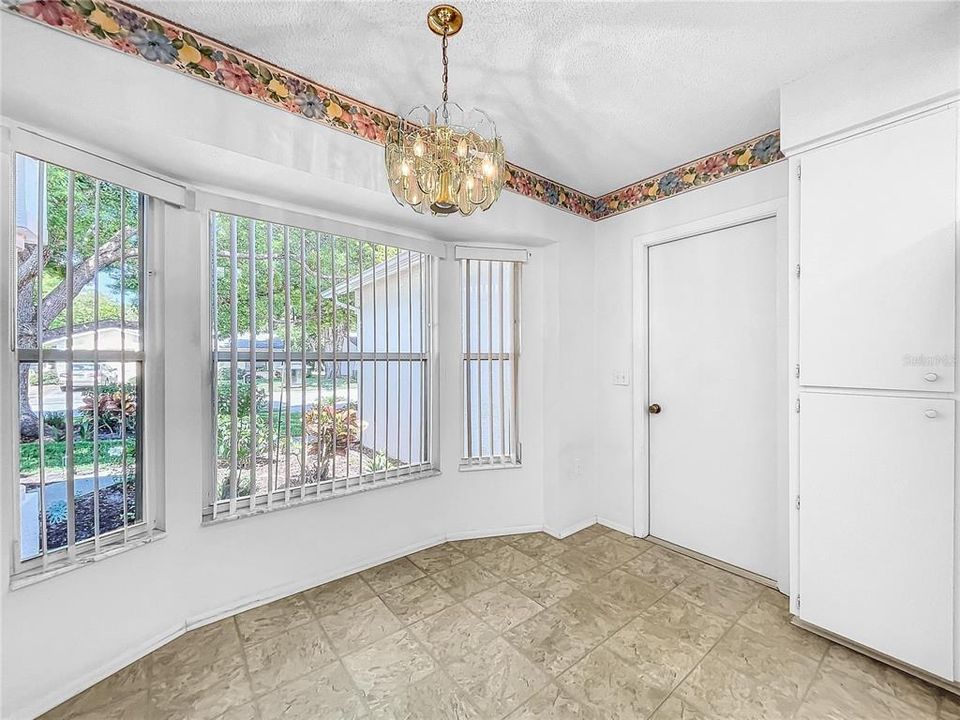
{"x": 445, "y": 160}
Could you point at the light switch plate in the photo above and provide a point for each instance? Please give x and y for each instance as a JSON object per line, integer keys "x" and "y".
{"x": 621, "y": 377}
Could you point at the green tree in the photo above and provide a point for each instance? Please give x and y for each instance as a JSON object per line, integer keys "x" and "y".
{"x": 103, "y": 221}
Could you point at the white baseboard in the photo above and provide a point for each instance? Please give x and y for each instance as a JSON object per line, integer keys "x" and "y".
{"x": 494, "y": 532}
{"x": 67, "y": 690}
{"x": 614, "y": 525}
{"x": 571, "y": 529}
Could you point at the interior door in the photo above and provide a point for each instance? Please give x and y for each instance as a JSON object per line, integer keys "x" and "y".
{"x": 876, "y": 527}
{"x": 712, "y": 358}
{"x": 878, "y": 269}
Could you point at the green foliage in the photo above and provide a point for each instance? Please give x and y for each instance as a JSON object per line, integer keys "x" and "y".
{"x": 109, "y": 452}
{"x": 315, "y": 263}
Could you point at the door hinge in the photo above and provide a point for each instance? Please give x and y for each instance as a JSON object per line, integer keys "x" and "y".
{"x": 797, "y": 371}
{"x": 798, "y": 502}
{"x": 798, "y": 601}
{"x": 798, "y": 404}
{"x": 798, "y": 171}
{"x": 797, "y": 270}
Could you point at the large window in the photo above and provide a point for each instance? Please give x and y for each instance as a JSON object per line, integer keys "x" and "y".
{"x": 489, "y": 305}
{"x": 79, "y": 293}
{"x": 321, "y": 364}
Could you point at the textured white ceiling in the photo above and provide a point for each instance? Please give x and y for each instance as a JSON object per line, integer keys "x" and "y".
{"x": 595, "y": 95}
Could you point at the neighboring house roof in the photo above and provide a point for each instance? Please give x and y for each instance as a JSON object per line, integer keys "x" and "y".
{"x": 400, "y": 261}
{"x": 59, "y": 333}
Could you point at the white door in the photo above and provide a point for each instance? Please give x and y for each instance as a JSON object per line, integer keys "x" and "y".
{"x": 877, "y": 258}
{"x": 876, "y": 526}
{"x": 712, "y": 357}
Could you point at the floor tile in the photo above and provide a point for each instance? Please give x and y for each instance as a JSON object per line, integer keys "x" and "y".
{"x": 714, "y": 597}
{"x": 200, "y": 692}
{"x": 272, "y": 619}
{"x": 417, "y": 600}
{"x": 497, "y": 678}
{"x": 552, "y": 703}
{"x": 607, "y": 552}
{"x": 950, "y": 706}
{"x": 838, "y": 696}
{"x": 359, "y": 625}
{"x": 882, "y": 677}
{"x": 576, "y": 565}
{"x": 506, "y": 561}
{"x": 616, "y": 689}
{"x": 126, "y": 707}
{"x": 477, "y": 546}
{"x": 465, "y": 579}
{"x": 326, "y": 693}
{"x": 204, "y": 646}
{"x": 439, "y": 557}
{"x": 686, "y": 621}
{"x": 657, "y": 651}
{"x": 389, "y": 575}
{"x": 770, "y": 616}
{"x": 659, "y": 567}
{"x": 674, "y": 708}
{"x": 544, "y": 585}
{"x": 112, "y": 690}
{"x": 539, "y": 545}
{"x": 717, "y": 689}
{"x": 283, "y": 658}
{"x": 430, "y": 698}
{"x": 768, "y": 660}
{"x": 338, "y": 594}
{"x": 389, "y": 665}
{"x": 554, "y": 639}
{"x": 638, "y": 543}
{"x": 241, "y": 712}
{"x": 453, "y": 634}
{"x": 502, "y": 606}
{"x": 630, "y": 594}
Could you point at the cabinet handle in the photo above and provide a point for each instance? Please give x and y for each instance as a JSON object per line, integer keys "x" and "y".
{"x": 931, "y": 377}
{"x": 930, "y": 413}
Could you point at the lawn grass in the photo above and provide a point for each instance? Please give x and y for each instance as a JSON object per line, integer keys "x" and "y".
{"x": 109, "y": 452}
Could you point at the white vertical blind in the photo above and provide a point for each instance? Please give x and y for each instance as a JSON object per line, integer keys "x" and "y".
{"x": 79, "y": 295}
{"x": 491, "y": 354}
{"x": 321, "y": 358}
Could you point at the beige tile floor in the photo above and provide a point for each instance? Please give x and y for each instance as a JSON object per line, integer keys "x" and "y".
{"x": 598, "y": 626}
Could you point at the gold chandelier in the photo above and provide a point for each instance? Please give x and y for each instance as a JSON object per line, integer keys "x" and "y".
{"x": 445, "y": 160}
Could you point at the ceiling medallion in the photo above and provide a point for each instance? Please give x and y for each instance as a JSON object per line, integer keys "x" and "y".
{"x": 445, "y": 160}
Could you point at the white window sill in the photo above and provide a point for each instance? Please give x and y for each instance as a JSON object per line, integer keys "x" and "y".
{"x": 263, "y": 509}
{"x": 32, "y": 577}
{"x": 476, "y": 466}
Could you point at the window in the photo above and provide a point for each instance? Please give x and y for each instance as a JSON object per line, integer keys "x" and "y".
{"x": 79, "y": 299}
{"x": 321, "y": 353}
{"x": 490, "y": 311}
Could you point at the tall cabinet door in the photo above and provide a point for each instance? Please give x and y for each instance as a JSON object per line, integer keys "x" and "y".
{"x": 877, "y": 256}
{"x": 876, "y": 523}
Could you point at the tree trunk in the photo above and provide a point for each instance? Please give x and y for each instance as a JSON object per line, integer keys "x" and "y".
{"x": 29, "y": 422}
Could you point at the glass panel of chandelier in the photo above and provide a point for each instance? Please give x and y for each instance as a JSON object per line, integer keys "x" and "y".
{"x": 321, "y": 360}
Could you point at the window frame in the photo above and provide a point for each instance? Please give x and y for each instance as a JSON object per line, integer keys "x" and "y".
{"x": 155, "y": 194}
{"x": 288, "y": 214}
{"x": 514, "y": 257}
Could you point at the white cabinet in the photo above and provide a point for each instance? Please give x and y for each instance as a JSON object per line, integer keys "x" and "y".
{"x": 876, "y": 523}
{"x": 878, "y": 216}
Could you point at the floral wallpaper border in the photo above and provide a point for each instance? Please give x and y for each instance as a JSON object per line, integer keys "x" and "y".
{"x": 132, "y": 31}
{"x": 750, "y": 155}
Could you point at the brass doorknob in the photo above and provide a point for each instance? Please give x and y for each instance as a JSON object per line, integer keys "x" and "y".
{"x": 654, "y": 409}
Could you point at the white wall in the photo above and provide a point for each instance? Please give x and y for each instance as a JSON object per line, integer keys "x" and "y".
{"x": 614, "y": 321}
{"x": 65, "y": 633}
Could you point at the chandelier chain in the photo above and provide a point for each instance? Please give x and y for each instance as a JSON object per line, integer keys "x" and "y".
{"x": 444, "y": 63}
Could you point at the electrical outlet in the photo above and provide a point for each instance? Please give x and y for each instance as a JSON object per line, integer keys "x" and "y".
{"x": 621, "y": 377}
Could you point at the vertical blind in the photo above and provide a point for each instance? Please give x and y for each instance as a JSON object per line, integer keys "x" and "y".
{"x": 491, "y": 352}
{"x": 321, "y": 363}
{"x": 79, "y": 344}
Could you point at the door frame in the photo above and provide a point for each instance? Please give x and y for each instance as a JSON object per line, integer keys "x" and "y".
{"x": 776, "y": 209}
